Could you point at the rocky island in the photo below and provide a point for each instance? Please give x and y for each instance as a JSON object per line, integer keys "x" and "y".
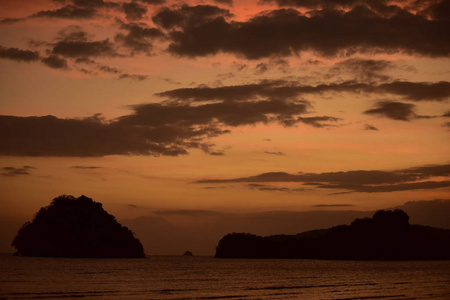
{"x": 386, "y": 236}
{"x": 76, "y": 227}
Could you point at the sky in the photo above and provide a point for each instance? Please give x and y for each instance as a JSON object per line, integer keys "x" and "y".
{"x": 228, "y": 106}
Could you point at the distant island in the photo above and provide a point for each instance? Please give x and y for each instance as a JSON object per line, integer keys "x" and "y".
{"x": 188, "y": 253}
{"x": 76, "y": 227}
{"x": 386, "y": 236}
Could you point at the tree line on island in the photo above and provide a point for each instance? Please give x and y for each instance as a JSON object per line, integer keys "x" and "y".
{"x": 386, "y": 236}
{"x": 80, "y": 227}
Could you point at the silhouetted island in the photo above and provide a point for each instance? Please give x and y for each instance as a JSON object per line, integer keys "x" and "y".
{"x": 386, "y": 236}
{"x": 76, "y": 227}
{"x": 188, "y": 253}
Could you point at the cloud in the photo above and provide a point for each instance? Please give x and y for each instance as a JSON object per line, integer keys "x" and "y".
{"x": 365, "y": 70}
{"x": 73, "y": 42}
{"x": 333, "y": 205}
{"x": 153, "y": 2}
{"x": 55, "y": 62}
{"x": 169, "y": 128}
{"x": 388, "y": 188}
{"x": 446, "y": 115}
{"x": 227, "y": 2}
{"x": 370, "y": 127}
{"x": 274, "y": 153}
{"x": 418, "y": 91}
{"x": 19, "y": 54}
{"x": 74, "y": 49}
{"x": 188, "y": 212}
{"x": 393, "y": 110}
{"x": 139, "y": 38}
{"x": 188, "y": 16}
{"x": 362, "y": 181}
{"x": 134, "y": 11}
{"x": 318, "y": 121}
{"x": 86, "y": 167}
{"x": 283, "y": 89}
{"x": 67, "y": 12}
{"x": 11, "y": 171}
{"x": 271, "y": 188}
{"x": 108, "y": 69}
{"x": 76, "y": 9}
{"x": 286, "y": 32}
{"x": 10, "y": 20}
{"x": 137, "y": 77}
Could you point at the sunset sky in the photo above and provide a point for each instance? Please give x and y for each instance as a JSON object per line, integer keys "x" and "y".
{"x": 232, "y": 106}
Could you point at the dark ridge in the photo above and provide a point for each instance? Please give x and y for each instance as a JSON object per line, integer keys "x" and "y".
{"x": 76, "y": 227}
{"x": 386, "y": 236}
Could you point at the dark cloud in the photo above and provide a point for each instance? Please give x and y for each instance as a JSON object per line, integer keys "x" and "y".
{"x": 365, "y": 70}
{"x": 108, "y": 69}
{"x": 134, "y": 11}
{"x": 55, "y": 62}
{"x": 137, "y": 77}
{"x": 187, "y": 212}
{"x": 261, "y": 68}
{"x": 168, "y": 128}
{"x": 318, "y": 121}
{"x": 393, "y": 110}
{"x": 418, "y": 91}
{"x": 271, "y": 188}
{"x": 89, "y": 3}
{"x": 286, "y": 32}
{"x": 19, "y": 54}
{"x": 387, "y": 188}
{"x": 10, "y": 20}
{"x": 68, "y": 12}
{"x": 226, "y": 2}
{"x": 11, "y": 171}
{"x": 76, "y": 43}
{"x": 153, "y": 2}
{"x": 282, "y": 89}
{"x": 333, "y": 205}
{"x": 328, "y": 3}
{"x": 446, "y": 115}
{"x": 84, "y": 48}
{"x": 76, "y": 9}
{"x": 189, "y": 16}
{"x": 222, "y": 113}
{"x": 355, "y": 181}
{"x": 86, "y": 167}
{"x": 446, "y": 124}
{"x": 370, "y": 127}
{"x": 274, "y": 153}
{"x": 139, "y": 37}
{"x": 439, "y": 10}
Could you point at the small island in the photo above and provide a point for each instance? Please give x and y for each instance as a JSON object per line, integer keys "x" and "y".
{"x": 386, "y": 236}
{"x": 76, "y": 227}
{"x": 188, "y": 253}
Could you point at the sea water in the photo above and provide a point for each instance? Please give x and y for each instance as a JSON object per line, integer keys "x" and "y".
{"x": 170, "y": 277}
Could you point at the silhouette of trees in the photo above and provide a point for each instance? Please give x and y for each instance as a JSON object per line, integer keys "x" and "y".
{"x": 76, "y": 227}
{"x": 386, "y": 236}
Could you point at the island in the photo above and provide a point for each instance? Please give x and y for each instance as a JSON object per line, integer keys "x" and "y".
{"x": 76, "y": 227}
{"x": 188, "y": 253}
{"x": 386, "y": 236}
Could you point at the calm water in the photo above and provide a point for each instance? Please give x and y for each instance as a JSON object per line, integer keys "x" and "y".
{"x": 163, "y": 277}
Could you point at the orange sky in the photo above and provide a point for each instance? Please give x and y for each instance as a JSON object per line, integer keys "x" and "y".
{"x": 193, "y": 101}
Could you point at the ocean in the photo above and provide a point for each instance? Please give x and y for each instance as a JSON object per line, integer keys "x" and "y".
{"x": 179, "y": 277}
